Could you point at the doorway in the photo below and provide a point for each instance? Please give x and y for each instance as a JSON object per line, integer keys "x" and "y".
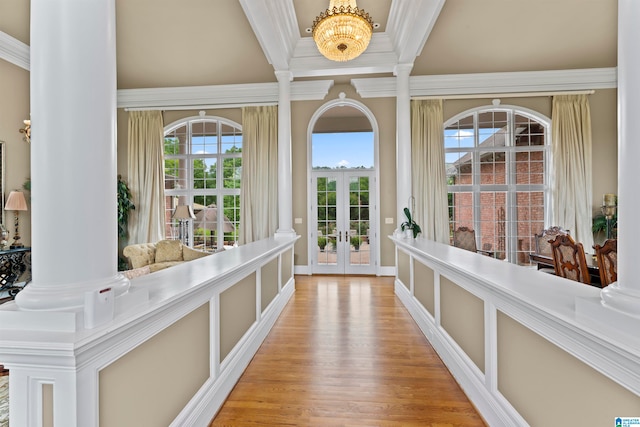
{"x": 343, "y": 191}
{"x": 345, "y": 222}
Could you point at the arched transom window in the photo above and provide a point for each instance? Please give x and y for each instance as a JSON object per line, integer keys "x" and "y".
{"x": 203, "y": 165}
{"x": 497, "y": 176}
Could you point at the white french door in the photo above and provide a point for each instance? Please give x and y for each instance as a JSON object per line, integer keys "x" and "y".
{"x": 344, "y": 238}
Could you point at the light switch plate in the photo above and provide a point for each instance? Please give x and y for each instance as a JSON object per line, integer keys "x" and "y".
{"x": 388, "y": 220}
{"x": 298, "y": 220}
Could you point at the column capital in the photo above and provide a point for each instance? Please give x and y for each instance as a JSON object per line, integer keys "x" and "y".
{"x": 402, "y": 70}
{"x": 284, "y": 76}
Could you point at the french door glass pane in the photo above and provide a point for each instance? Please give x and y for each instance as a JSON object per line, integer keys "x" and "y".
{"x": 327, "y": 220}
{"x": 359, "y": 253}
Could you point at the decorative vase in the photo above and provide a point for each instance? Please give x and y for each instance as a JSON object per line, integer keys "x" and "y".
{"x": 408, "y": 233}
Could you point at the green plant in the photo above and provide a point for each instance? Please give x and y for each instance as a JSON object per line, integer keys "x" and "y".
{"x": 322, "y": 242}
{"x": 410, "y": 224}
{"x": 125, "y": 205}
{"x": 356, "y": 241}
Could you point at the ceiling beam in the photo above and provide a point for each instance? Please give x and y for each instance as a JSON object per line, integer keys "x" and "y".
{"x": 14, "y": 51}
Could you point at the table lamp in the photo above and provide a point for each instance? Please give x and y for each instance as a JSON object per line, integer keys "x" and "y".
{"x": 16, "y": 202}
{"x": 183, "y": 213}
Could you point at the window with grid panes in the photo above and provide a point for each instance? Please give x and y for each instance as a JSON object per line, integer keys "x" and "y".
{"x": 497, "y": 178}
{"x": 203, "y": 165}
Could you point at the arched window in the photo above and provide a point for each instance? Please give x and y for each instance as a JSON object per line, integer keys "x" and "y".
{"x": 497, "y": 161}
{"x": 203, "y": 165}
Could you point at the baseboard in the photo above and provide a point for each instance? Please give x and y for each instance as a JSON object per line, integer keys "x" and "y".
{"x": 493, "y": 407}
{"x": 209, "y": 399}
{"x": 303, "y": 270}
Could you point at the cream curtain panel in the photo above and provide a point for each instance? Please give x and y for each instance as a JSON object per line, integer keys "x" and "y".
{"x": 571, "y": 182}
{"x": 428, "y": 169}
{"x": 146, "y": 176}
{"x": 259, "y": 193}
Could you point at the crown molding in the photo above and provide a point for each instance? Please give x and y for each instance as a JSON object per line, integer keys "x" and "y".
{"x": 219, "y": 96}
{"x": 378, "y": 58}
{"x": 492, "y": 83}
{"x": 14, "y": 51}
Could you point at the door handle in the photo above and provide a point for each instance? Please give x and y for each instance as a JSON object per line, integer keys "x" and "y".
{"x": 340, "y": 236}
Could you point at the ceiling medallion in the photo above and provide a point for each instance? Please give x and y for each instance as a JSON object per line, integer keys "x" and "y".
{"x": 343, "y": 31}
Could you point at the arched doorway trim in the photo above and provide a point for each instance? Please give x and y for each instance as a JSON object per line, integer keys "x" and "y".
{"x": 343, "y": 101}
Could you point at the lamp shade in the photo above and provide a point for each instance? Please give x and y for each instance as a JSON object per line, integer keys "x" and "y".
{"x": 16, "y": 202}
{"x": 183, "y": 212}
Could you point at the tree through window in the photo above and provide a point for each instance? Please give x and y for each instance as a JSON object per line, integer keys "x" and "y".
{"x": 203, "y": 166}
{"x": 497, "y": 163}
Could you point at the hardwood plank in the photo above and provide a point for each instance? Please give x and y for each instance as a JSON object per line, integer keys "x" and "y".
{"x": 345, "y": 352}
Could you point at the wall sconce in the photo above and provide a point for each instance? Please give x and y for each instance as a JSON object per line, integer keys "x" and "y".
{"x": 26, "y": 130}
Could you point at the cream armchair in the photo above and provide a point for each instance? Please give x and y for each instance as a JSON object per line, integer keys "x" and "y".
{"x": 165, "y": 253}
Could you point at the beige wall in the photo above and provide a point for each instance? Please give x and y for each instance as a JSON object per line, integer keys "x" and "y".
{"x": 549, "y": 387}
{"x": 176, "y": 360}
{"x": 423, "y": 286}
{"x": 462, "y": 316}
{"x": 237, "y": 313}
{"x": 14, "y": 108}
{"x": 269, "y": 282}
{"x": 404, "y": 268}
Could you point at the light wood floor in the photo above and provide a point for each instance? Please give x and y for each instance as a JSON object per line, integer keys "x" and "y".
{"x": 345, "y": 352}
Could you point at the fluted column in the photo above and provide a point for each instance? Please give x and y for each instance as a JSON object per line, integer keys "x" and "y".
{"x": 403, "y": 139}
{"x": 285, "y": 174}
{"x": 624, "y": 295}
{"x": 73, "y": 154}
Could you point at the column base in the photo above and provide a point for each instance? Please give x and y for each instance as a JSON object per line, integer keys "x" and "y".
{"x": 66, "y": 297}
{"x": 605, "y": 319}
{"x": 14, "y": 317}
{"x": 621, "y": 299}
{"x": 289, "y": 234}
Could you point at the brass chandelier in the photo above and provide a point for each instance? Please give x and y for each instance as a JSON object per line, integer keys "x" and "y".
{"x": 343, "y": 31}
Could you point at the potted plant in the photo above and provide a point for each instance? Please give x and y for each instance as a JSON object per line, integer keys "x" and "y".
{"x": 125, "y": 204}
{"x": 322, "y": 242}
{"x": 356, "y": 241}
{"x": 410, "y": 224}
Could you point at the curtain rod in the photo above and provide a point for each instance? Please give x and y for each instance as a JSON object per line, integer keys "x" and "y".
{"x": 506, "y": 95}
{"x": 199, "y": 107}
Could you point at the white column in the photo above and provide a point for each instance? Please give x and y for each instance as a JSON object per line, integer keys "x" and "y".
{"x": 73, "y": 154}
{"x": 285, "y": 174}
{"x": 403, "y": 139}
{"x": 624, "y": 295}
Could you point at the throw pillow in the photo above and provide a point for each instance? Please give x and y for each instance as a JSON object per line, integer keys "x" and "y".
{"x": 168, "y": 250}
{"x": 189, "y": 254}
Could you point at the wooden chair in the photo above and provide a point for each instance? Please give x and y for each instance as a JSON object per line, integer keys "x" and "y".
{"x": 465, "y": 238}
{"x": 607, "y": 255}
{"x": 569, "y": 259}
{"x": 543, "y": 247}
